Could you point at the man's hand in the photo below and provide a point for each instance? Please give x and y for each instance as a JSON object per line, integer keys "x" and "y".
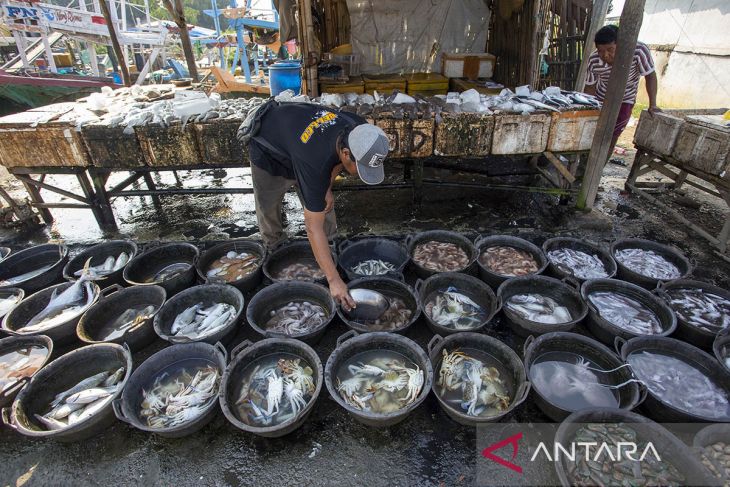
{"x": 329, "y": 200}
{"x": 653, "y": 109}
{"x": 339, "y": 292}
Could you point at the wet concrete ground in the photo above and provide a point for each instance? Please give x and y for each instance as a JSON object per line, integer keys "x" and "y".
{"x": 331, "y": 448}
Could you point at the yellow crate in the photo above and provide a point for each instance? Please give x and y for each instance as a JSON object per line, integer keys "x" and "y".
{"x": 384, "y": 83}
{"x": 427, "y": 84}
{"x": 354, "y": 85}
{"x": 461, "y": 84}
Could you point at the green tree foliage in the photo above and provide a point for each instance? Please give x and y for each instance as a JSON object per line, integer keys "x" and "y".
{"x": 193, "y": 11}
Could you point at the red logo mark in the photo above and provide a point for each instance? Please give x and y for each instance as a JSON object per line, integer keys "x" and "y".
{"x": 512, "y": 440}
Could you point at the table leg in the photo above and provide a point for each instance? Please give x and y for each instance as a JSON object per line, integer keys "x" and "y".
{"x": 98, "y": 181}
{"x": 35, "y": 197}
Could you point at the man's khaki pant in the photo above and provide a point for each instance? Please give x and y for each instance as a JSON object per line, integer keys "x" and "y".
{"x": 268, "y": 192}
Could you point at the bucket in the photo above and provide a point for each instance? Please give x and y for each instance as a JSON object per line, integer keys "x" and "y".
{"x": 246, "y": 283}
{"x": 60, "y": 375}
{"x": 721, "y": 347}
{"x": 494, "y": 279}
{"x": 142, "y": 269}
{"x": 708, "y": 436}
{"x": 285, "y": 75}
{"x": 560, "y": 291}
{"x": 98, "y": 254}
{"x": 350, "y": 344}
{"x": 243, "y": 355}
{"x": 464, "y": 243}
{"x": 287, "y": 253}
{"x": 279, "y": 294}
{"x": 390, "y": 288}
{"x": 581, "y": 245}
{"x": 671, "y": 254}
{"x": 127, "y": 407}
{"x": 685, "y": 330}
{"x": 61, "y": 334}
{"x": 657, "y": 408}
{"x": 606, "y": 331}
{"x": 33, "y": 258}
{"x": 208, "y": 294}
{"x": 114, "y": 301}
{"x": 630, "y": 395}
{"x": 666, "y": 444}
{"x": 501, "y": 353}
{"x": 352, "y": 252}
{"x": 469, "y": 286}
{"x": 10, "y": 344}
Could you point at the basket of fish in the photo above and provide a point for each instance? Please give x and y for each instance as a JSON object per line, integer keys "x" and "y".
{"x": 578, "y": 259}
{"x": 437, "y": 251}
{"x": 372, "y": 256}
{"x": 570, "y": 372}
{"x": 721, "y": 347}
{"x": 122, "y": 315}
{"x": 618, "y": 308}
{"x": 534, "y": 305}
{"x": 713, "y": 445}
{"x": 107, "y": 262}
{"x": 659, "y": 457}
{"x": 171, "y": 266}
{"x": 70, "y": 399}
{"x": 174, "y": 392}
{"x": 402, "y": 310}
{"x": 293, "y": 309}
{"x": 271, "y": 386}
{"x": 35, "y": 268}
{"x": 236, "y": 262}
{"x": 9, "y": 298}
{"x": 206, "y": 313}
{"x": 20, "y": 359}
{"x": 379, "y": 377}
{"x": 702, "y": 310}
{"x": 685, "y": 384}
{"x": 648, "y": 263}
{"x": 477, "y": 378}
{"x": 54, "y": 311}
{"x": 453, "y": 302}
{"x": 294, "y": 261}
{"x": 502, "y": 257}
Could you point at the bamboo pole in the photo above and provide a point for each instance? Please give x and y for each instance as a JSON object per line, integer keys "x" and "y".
{"x": 598, "y": 17}
{"x": 630, "y": 22}
{"x": 310, "y": 54}
{"x": 115, "y": 42}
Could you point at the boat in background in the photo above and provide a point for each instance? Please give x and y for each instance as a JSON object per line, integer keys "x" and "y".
{"x": 36, "y": 90}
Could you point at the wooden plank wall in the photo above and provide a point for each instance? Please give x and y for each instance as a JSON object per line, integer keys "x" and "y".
{"x": 568, "y": 22}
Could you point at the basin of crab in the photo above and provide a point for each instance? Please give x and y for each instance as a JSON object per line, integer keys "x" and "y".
{"x": 452, "y": 309}
{"x": 379, "y": 381}
{"x": 180, "y": 393}
{"x": 474, "y": 382}
{"x": 275, "y": 389}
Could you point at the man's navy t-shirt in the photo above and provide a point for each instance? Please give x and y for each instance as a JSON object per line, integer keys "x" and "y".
{"x": 306, "y": 136}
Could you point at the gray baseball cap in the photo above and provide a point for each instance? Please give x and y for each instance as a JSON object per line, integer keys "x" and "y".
{"x": 369, "y": 146}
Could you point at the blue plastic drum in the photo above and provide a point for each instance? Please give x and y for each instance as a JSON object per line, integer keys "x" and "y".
{"x": 285, "y": 75}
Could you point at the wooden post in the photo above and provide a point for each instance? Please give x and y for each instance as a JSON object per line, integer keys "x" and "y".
{"x": 598, "y": 17}
{"x": 628, "y": 34}
{"x": 115, "y": 42}
{"x": 310, "y": 55}
{"x": 178, "y": 16}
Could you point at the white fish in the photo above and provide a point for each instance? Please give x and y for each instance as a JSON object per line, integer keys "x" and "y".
{"x": 185, "y": 318}
{"x": 63, "y": 410}
{"x": 110, "y": 264}
{"x": 90, "y": 395}
{"x": 87, "y": 383}
{"x": 90, "y": 410}
{"x": 51, "y": 424}
{"x": 24, "y": 277}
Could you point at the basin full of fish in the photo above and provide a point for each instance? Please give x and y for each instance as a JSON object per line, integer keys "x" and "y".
{"x": 296, "y": 318}
{"x": 452, "y": 309}
{"x": 681, "y": 384}
{"x": 440, "y": 256}
{"x": 63, "y": 307}
{"x": 16, "y": 365}
{"x": 199, "y": 321}
{"x": 647, "y": 263}
{"x": 82, "y": 401}
{"x": 8, "y": 303}
{"x": 704, "y": 310}
{"x": 275, "y": 389}
{"x": 716, "y": 457}
{"x": 19, "y": 278}
{"x": 578, "y": 263}
{"x": 626, "y": 313}
{"x": 591, "y": 468}
{"x": 170, "y": 271}
{"x": 508, "y": 261}
{"x": 233, "y": 266}
{"x": 572, "y": 381}
{"x": 110, "y": 265}
{"x": 476, "y": 388}
{"x": 372, "y": 267}
{"x": 379, "y": 381}
{"x": 127, "y": 322}
{"x": 395, "y": 317}
{"x": 180, "y": 396}
{"x": 300, "y": 271}
{"x": 538, "y": 308}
